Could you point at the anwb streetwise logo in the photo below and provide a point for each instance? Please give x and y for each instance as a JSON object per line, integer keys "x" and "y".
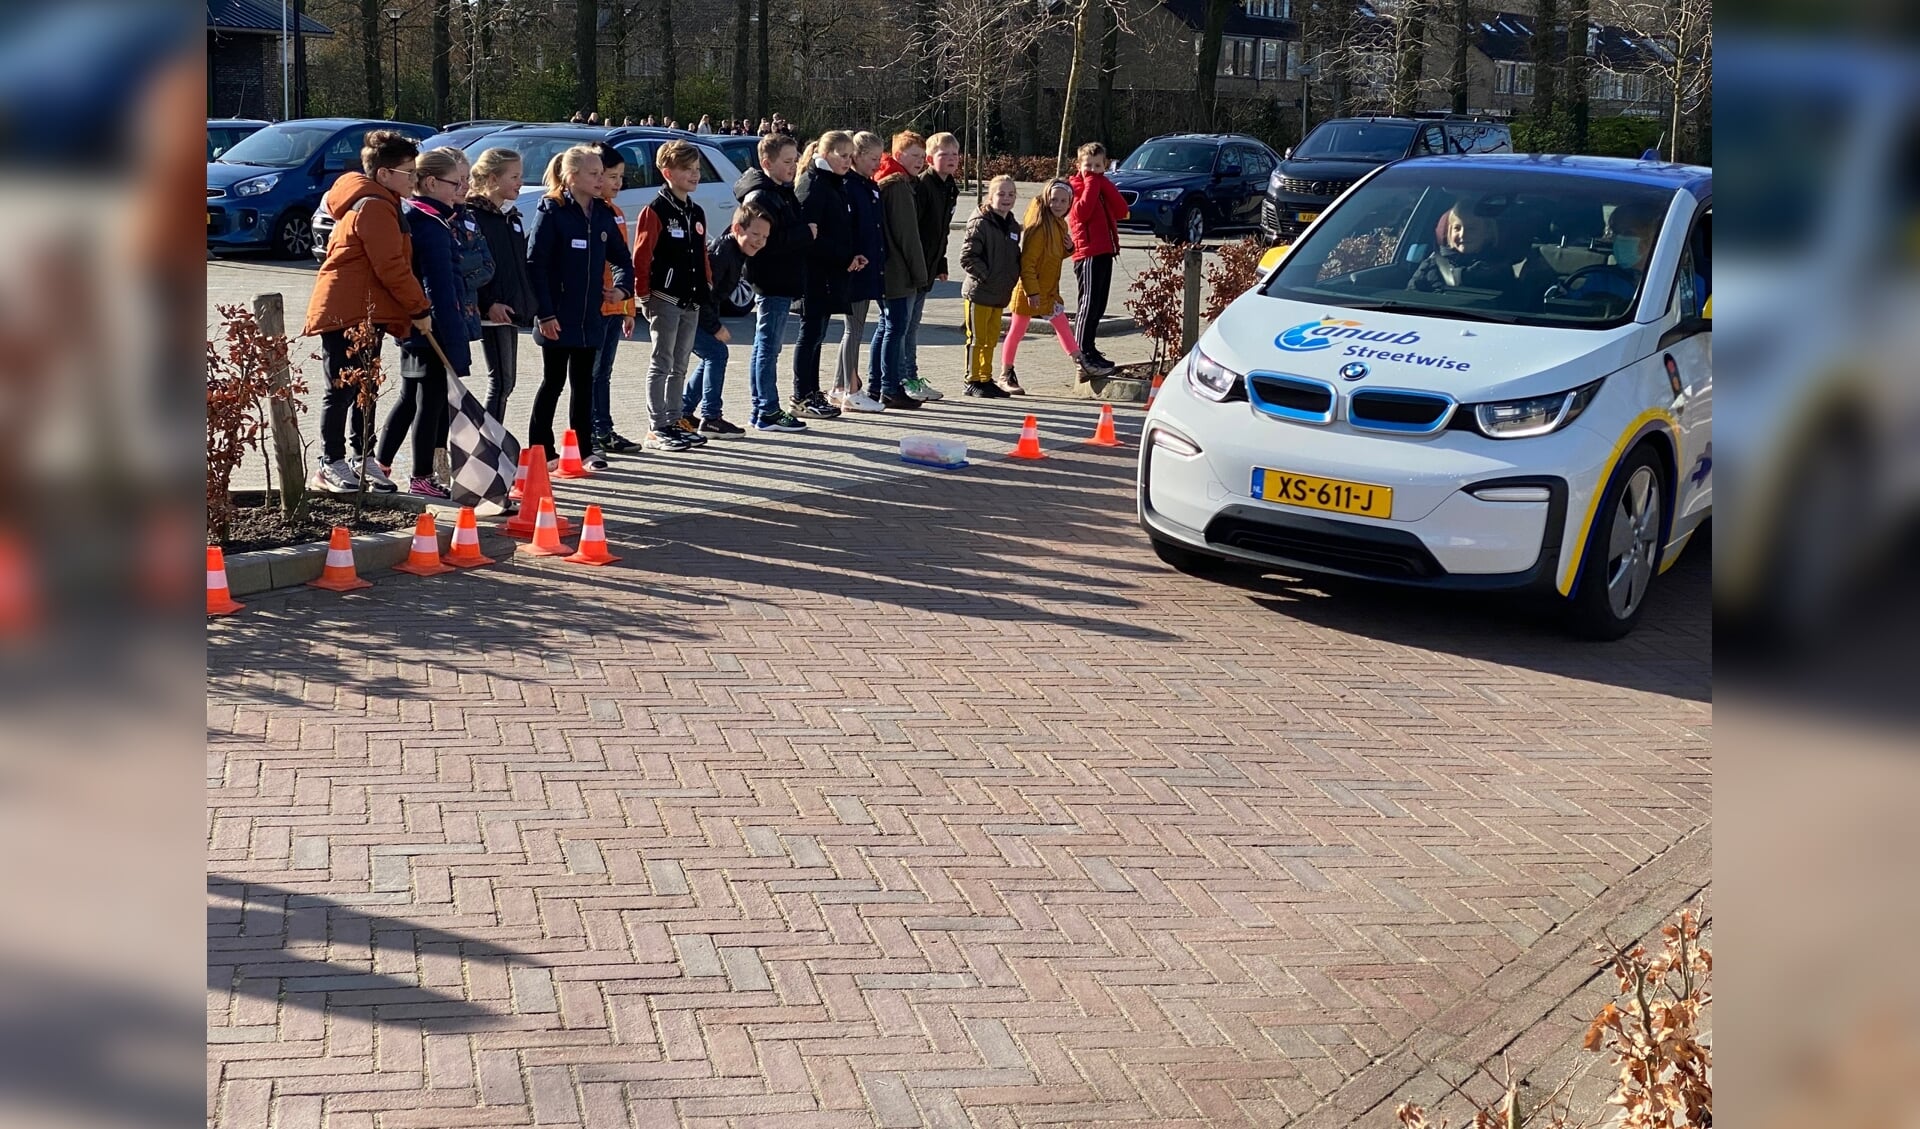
{"x": 1310, "y": 336}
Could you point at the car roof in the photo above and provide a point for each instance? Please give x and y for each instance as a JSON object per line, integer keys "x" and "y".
{"x": 1691, "y": 178}
{"x": 1221, "y": 138}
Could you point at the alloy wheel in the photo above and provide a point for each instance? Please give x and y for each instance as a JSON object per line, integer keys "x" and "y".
{"x": 1633, "y": 544}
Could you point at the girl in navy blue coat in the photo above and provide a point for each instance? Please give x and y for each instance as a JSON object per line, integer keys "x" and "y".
{"x": 576, "y": 240}
{"x": 437, "y": 252}
{"x": 866, "y": 285}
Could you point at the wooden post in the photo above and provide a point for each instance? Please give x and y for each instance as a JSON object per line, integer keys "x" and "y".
{"x": 1190, "y": 312}
{"x": 269, "y": 312}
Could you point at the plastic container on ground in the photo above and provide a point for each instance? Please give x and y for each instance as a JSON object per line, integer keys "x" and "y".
{"x": 934, "y": 451}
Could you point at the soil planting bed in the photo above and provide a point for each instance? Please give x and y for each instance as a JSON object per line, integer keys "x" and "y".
{"x": 259, "y": 524}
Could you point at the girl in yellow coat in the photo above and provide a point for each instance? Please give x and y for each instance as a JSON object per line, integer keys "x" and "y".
{"x": 1044, "y": 246}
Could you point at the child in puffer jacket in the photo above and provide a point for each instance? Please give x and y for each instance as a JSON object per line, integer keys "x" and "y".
{"x": 990, "y": 258}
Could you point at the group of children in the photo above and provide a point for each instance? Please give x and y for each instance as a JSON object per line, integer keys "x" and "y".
{"x": 436, "y": 253}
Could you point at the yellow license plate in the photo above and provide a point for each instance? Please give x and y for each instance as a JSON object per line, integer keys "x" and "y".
{"x": 1330, "y": 494}
{"x": 1307, "y": 217}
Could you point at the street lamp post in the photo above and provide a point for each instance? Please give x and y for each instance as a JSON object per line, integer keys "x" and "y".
{"x": 393, "y": 24}
{"x": 1307, "y": 71}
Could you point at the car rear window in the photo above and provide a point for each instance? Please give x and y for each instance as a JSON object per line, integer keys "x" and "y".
{"x": 1357, "y": 141}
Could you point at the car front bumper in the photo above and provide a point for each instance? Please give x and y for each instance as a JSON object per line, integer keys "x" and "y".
{"x": 1440, "y": 535}
{"x": 236, "y": 222}
{"x": 1153, "y": 216}
{"x": 1281, "y": 214}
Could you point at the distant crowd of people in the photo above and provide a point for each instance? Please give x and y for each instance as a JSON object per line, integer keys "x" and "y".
{"x": 726, "y": 127}
{"x": 852, "y": 224}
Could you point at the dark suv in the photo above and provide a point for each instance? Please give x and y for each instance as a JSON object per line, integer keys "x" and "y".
{"x": 1183, "y": 185}
{"x": 1342, "y": 150}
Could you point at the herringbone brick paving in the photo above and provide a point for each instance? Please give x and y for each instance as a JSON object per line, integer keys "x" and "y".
{"x": 944, "y": 805}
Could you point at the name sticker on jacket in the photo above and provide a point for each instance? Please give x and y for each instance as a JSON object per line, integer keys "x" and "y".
{"x": 579, "y": 244}
{"x": 471, "y": 226}
{"x": 674, "y": 229}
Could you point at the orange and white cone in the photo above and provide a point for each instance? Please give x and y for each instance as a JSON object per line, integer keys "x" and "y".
{"x": 521, "y": 523}
{"x": 219, "y": 598}
{"x": 465, "y": 550}
{"x": 1029, "y": 446}
{"x": 570, "y": 464}
{"x": 546, "y": 532}
{"x": 593, "y": 540}
{"x": 1159, "y": 378}
{"x": 1103, "y": 435}
{"x": 520, "y": 475}
{"x": 424, "y": 559}
{"x": 339, "y": 575}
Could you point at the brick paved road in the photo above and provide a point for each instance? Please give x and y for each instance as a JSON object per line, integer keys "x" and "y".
{"x": 943, "y": 805}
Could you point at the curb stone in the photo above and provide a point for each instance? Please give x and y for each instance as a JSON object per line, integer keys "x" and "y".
{"x": 264, "y": 570}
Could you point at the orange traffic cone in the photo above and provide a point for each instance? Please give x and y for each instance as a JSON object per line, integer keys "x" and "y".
{"x": 570, "y": 464}
{"x": 1159, "y": 378}
{"x": 340, "y": 575}
{"x": 424, "y": 560}
{"x": 522, "y": 524}
{"x": 520, "y": 475}
{"x": 1103, "y": 435}
{"x": 1029, "y": 447}
{"x": 219, "y": 599}
{"x": 593, "y": 540}
{"x": 465, "y": 550}
{"x": 546, "y": 532}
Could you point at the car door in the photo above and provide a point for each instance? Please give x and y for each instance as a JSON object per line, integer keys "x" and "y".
{"x": 715, "y": 193}
{"x": 1258, "y": 167}
{"x": 642, "y": 182}
{"x": 1687, "y": 354}
{"x": 1229, "y": 174}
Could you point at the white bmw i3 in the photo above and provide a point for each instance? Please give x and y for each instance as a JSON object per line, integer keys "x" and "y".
{"x": 1482, "y": 372}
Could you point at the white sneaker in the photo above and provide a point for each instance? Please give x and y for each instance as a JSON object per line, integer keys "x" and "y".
{"x": 838, "y": 398}
{"x": 377, "y": 480}
{"x": 861, "y": 402}
{"x": 335, "y": 478}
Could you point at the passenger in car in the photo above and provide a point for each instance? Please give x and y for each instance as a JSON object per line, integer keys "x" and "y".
{"x": 1467, "y": 257}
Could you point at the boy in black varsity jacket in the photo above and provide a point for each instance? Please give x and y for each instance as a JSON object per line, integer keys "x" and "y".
{"x": 672, "y": 280}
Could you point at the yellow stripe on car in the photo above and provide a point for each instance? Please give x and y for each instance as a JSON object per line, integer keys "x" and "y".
{"x": 1632, "y": 432}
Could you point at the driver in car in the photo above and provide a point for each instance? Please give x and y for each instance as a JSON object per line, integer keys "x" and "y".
{"x": 1467, "y": 256}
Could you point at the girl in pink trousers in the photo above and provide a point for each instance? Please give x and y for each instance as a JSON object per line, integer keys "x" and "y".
{"x": 1044, "y": 246}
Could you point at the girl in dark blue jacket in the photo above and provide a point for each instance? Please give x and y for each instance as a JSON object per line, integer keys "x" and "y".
{"x": 575, "y": 241}
{"x": 431, "y": 214}
{"x": 866, "y": 285}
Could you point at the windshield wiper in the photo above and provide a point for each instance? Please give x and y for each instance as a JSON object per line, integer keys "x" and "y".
{"x": 1456, "y": 312}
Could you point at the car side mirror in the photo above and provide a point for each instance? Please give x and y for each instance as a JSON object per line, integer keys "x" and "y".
{"x": 1288, "y": 155}
{"x": 1687, "y": 327}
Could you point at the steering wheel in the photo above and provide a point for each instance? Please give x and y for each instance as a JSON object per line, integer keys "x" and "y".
{"x": 1619, "y": 282}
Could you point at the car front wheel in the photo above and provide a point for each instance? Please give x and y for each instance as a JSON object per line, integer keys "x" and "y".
{"x": 1191, "y": 224}
{"x": 1623, "y": 551}
{"x": 293, "y": 235}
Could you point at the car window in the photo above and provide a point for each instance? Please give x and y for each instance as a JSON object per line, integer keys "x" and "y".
{"x": 1431, "y": 142}
{"x": 1172, "y": 156}
{"x": 285, "y": 146}
{"x": 640, "y": 172}
{"x": 1258, "y": 163}
{"x": 1693, "y": 280}
{"x": 708, "y": 174}
{"x": 1356, "y": 141}
{"x": 1544, "y": 247}
{"x": 1478, "y": 137}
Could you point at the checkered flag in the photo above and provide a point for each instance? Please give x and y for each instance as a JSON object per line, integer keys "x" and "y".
{"x": 484, "y": 457}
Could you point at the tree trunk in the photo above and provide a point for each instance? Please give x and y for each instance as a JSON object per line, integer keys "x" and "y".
{"x": 586, "y": 54}
{"x": 742, "y": 49}
{"x": 1410, "y": 52}
{"x": 1073, "y": 80}
{"x": 1458, "y": 78}
{"x": 762, "y": 96}
{"x": 1206, "y": 78}
{"x": 1346, "y": 31}
{"x": 1546, "y": 88}
{"x": 1027, "y": 119}
{"x": 669, "y": 61}
{"x": 484, "y": 18}
{"x": 299, "y": 61}
{"x": 370, "y": 45}
{"x": 1109, "y": 63}
{"x": 442, "y": 62}
{"x": 1576, "y": 70}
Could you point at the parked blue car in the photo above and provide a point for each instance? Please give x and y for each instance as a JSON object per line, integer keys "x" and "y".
{"x": 261, "y": 193}
{"x": 1184, "y": 186}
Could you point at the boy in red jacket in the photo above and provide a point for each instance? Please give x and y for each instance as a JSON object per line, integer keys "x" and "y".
{"x": 1094, "y": 224}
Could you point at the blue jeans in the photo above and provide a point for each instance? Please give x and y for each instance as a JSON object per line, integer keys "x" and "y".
{"x": 763, "y": 365}
{"x": 603, "y": 377}
{"x": 887, "y": 371}
{"x": 918, "y": 312}
{"x": 702, "y": 397}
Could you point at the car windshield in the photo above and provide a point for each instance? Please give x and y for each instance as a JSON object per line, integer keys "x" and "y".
{"x": 1356, "y": 141}
{"x": 535, "y": 152}
{"x": 280, "y": 146}
{"x": 1171, "y": 156}
{"x": 1506, "y": 244}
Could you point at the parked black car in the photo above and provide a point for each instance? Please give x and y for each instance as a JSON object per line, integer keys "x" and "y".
{"x": 1339, "y": 151}
{"x": 1182, "y": 186}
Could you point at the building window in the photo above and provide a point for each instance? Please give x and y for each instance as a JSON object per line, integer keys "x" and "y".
{"x": 1236, "y": 57}
{"x": 1272, "y": 61}
{"x": 1513, "y": 78}
{"x": 1269, "y": 9}
{"x": 1604, "y": 86}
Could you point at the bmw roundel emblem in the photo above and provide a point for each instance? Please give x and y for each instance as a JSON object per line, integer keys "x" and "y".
{"x": 1353, "y": 370}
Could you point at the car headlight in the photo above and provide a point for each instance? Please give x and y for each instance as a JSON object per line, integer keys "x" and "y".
{"x": 1535, "y": 415}
{"x": 1164, "y": 194}
{"x": 258, "y": 186}
{"x": 1209, "y": 378}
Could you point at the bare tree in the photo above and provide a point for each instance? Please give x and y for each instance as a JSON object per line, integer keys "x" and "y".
{"x": 1409, "y": 55}
{"x": 1206, "y": 79}
{"x": 442, "y": 61}
{"x": 669, "y": 60}
{"x": 742, "y": 44}
{"x": 761, "y": 95}
{"x": 1672, "y": 46}
{"x": 586, "y": 53}
{"x": 1575, "y": 71}
{"x": 370, "y": 18}
{"x": 1457, "y": 75}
